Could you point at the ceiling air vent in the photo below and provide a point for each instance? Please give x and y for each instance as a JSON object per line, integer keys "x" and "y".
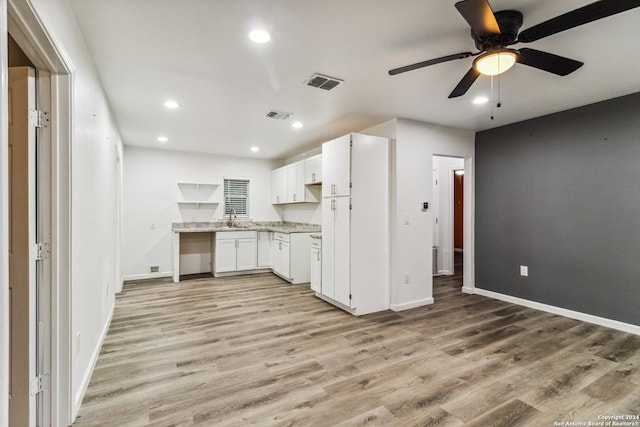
{"x": 323, "y": 82}
{"x": 279, "y": 115}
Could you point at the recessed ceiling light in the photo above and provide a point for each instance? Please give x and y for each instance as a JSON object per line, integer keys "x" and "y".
{"x": 162, "y": 139}
{"x": 172, "y": 105}
{"x": 259, "y": 36}
{"x": 255, "y": 149}
{"x": 481, "y": 100}
{"x": 297, "y": 125}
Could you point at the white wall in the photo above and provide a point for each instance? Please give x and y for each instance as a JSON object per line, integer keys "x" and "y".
{"x": 412, "y": 182}
{"x": 150, "y": 205}
{"x": 443, "y": 202}
{"x": 94, "y": 217}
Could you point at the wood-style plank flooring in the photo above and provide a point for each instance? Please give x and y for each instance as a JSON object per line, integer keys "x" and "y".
{"x": 255, "y": 350}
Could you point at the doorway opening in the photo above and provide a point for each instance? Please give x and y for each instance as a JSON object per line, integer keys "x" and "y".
{"x": 448, "y": 215}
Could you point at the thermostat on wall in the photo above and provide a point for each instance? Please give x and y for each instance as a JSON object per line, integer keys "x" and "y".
{"x": 425, "y": 206}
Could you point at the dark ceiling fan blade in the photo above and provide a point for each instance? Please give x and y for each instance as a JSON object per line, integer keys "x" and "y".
{"x": 429, "y": 62}
{"x": 465, "y": 83}
{"x": 583, "y": 15}
{"x": 548, "y": 62}
{"x": 480, "y": 17}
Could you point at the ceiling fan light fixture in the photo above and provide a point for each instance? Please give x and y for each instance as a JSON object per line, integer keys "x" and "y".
{"x": 495, "y": 62}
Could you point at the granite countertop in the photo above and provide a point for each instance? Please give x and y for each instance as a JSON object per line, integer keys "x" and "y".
{"x": 280, "y": 227}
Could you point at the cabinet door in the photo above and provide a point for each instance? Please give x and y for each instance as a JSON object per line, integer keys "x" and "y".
{"x": 276, "y": 256}
{"x": 313, "y": 170}
{"x": 246, "y": 254}
{"x": 328, "y": 243}
{"x": 336, "y": 167}
{"x": 279, "y": 185}
{"x": 316, "y": 265}
{"x": 342, "y": 250}
{"x": 225, "y": 257}
{"x": 285, "y": 266}
{"x": 295, "y": 183}
{"x": 264, "y": 249}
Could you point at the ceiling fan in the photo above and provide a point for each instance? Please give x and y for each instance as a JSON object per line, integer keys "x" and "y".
{"x": 493, "y": 33}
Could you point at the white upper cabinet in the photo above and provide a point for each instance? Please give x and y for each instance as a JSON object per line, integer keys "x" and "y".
{"x": 336, "y": 167}
{"x": 279, "y": 186}
{"x": 288, "y": 185}
{"x": 313, "y": 170}
{"x": 295, "y": 186}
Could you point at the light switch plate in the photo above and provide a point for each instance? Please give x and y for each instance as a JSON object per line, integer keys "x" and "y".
{"x": 524, "y": 270}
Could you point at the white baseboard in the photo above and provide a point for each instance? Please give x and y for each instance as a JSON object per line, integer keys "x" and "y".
{"x": 411, "y": 304}
{"x": 468, "y": 290}
{"x": 602, "y": 321}
{"x": 444, "y": 273}
{"x": 77, "y": 401}
{"x": 133, "y": 277}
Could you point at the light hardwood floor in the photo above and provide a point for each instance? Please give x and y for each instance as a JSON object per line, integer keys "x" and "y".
{"x": 254, "y": 350}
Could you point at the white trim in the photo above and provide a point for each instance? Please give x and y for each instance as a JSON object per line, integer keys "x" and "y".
{"x": 87, "y": 374}
{"x": 4, "y": 222}
{"x": 468, "y": 290}
{"x": 444, "y": 273}
{"x": 602, "y": 321}
{"x": 47, "y": 53}
{"x": 411, "y": 304}
{"x": 145, "y": 276}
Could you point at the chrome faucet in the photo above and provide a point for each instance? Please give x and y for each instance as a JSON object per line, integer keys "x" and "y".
{"x": 230, "y": 222}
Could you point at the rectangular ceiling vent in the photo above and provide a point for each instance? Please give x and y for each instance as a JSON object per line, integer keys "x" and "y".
{"x": 324, "y": 82}
{"x": 279, "y": 115}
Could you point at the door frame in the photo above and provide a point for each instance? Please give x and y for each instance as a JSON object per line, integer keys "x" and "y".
{"x": 20, "y": 19}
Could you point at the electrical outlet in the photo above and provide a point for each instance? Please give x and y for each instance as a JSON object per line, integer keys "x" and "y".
{"x": 524, "y": 270}
{"x": 155, "y": 269}
{"x": 406, "y": 278}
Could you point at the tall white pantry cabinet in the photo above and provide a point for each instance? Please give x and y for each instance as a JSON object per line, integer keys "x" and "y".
{"x": 355, "y": 223}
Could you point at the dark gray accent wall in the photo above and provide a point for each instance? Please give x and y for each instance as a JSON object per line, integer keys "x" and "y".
{"x": 561, "y": 195}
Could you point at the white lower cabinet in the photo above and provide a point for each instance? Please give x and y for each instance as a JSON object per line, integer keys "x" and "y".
{"x": 290, "y": 256}
{"x": 236, "y": 251}
{"x": 265, "y": 244}
{"x": 316, "y": 265}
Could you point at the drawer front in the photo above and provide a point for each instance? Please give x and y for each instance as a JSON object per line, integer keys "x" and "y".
{"x": 282, "y": 237}
{"x": 225, "y": 235}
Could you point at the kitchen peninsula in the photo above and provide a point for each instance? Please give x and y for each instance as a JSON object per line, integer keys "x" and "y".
{"x": 245, "y": 247}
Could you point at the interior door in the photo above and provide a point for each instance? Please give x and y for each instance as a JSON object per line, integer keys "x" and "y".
{"x": 22, "y": 238}
{"x": 458, "y": 209}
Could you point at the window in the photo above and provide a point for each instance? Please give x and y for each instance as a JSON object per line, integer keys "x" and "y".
{"x": 236, "y": 197}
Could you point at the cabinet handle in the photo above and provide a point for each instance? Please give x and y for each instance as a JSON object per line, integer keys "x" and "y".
{"x": 277, "y": 199}
{"x": 313, "y": 177}
{"x": 318, "y": 254}
{"x": 333, "y": 189}
{"x": 294, "y": 197}
{"x": 333, "y": 204}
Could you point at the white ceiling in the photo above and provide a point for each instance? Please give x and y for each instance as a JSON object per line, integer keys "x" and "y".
{"x": 197, "y": 53}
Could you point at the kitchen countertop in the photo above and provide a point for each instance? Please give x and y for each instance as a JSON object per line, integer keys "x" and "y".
{"x": 218, "y": 226}
{"x": 316, "y": 236}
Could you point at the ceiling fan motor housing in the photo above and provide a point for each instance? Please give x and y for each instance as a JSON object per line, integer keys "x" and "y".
{"x": 509, "y": 22}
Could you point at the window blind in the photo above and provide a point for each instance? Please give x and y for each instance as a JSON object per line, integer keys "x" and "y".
{"x": 236, "y": 196}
